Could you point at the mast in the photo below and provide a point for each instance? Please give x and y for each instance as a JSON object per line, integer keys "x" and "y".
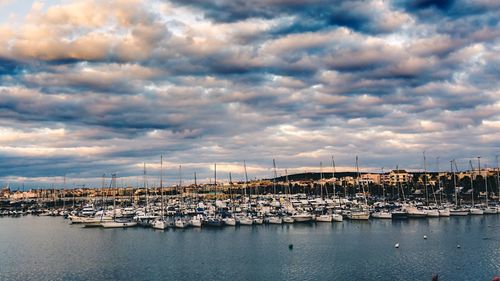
{"x": 439, "y": 182}
{"x": 231, "y": 188}
{"x": 63, "y": 195}
{"x": 333, "y": 176}
{"x": 180, "y": 183}
{"x": 145, "y": 187}
{"x": 471, "y": 182}
{"x": 425, "y": 181}
{"x": 498, "y": 181}
{"x": 321, "y": 178}
{"x": 357, "y": 170}
{"x": 102, "y": 190}
{"x": 161, "y": 187}
{"x": 400, "y": 185}
{"x": 274, "y": 178}
{"x": 195, "y": 185}
{"x": 485, "y": 181}
{"x": 215, "y": 182}
{"x": 383, "y": 183}
{"x": 454, "y": 181}
{"x": 287, "y": 184}
{"x": 246, "y": 178}
{"x": 113, "y": 186}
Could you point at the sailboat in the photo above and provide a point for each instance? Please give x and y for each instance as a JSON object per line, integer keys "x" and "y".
{"x": 457, "y": 211}
{"x": 117, "y": 223}
{"x": 488, "y": 210}
{"x": 335, "y": 216}
{"x": 443, "y": 211}
{"x": 196, "y": 220}
{"x": 473, "y": 210}
{"x": 360, "y": 213}
{"x": 161, "y": 223}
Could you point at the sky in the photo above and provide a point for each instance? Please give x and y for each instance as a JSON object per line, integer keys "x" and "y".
{"x": 99, "y": 87}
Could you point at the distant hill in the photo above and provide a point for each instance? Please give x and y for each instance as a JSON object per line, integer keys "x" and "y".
{"x": 315, "y": 176}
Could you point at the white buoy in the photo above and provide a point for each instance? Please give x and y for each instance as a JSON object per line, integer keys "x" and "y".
{"x": 458, "y": 246}
{"x": 425, "y": 236}
{"x": 396, "y": 246}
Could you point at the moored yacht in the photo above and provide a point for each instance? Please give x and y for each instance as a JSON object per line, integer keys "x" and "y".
{"x": 414, "y": 212}
{"x": 195, "y": 221}
{"x": 399, "y": 215}
{"x": 381, "y": 215}
{"x": 476, "y": 211}
{"x": 358, "y": 215}
{"x": 288, "y": 219}
{"x": 244, "y": 220}
{"x": 302, "y": 217}
{"x": 258, "y": 220}
{"x": 459, "y": 212}
{"x": 159, "y": 224}
{"x": 444, "y": 212}
{"x": 432, "y": 213}
{"x": 229, "y": 221}
{"x": 213, "y": 222}
{"x": 490, "y": 210}
{"x": 337, "y": 217}
{"x": 324, "y": 218}
{"x": 180, "y": 223}
{"x": 119, "y": 224}
{"x": 274, "y": 220}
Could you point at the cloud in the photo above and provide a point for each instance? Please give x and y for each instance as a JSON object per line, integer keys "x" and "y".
{"x": 92, "y": 87}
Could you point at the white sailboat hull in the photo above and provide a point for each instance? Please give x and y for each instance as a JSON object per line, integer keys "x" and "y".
{"x": 476, "y": 211}
{"x": 160, "y": 224}
{"x": 337, "y": 217}
{"x": 324, "y": 218}
{"x": 114, "y": 224}
{"x": 381, "y": 215}
{"x": 359, "y": 216}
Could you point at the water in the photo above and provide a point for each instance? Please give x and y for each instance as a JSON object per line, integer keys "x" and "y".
{"x": 47, "y": 248}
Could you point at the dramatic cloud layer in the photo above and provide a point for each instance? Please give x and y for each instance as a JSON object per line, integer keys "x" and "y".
{"x": 93, "y": 87}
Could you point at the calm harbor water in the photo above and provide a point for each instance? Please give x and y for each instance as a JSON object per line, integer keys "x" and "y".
{"x": 47, "y": 248}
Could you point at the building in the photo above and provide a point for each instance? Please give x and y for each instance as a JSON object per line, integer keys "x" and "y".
{"x": 397, "y": 177}
{"x": 370, "y": 179}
